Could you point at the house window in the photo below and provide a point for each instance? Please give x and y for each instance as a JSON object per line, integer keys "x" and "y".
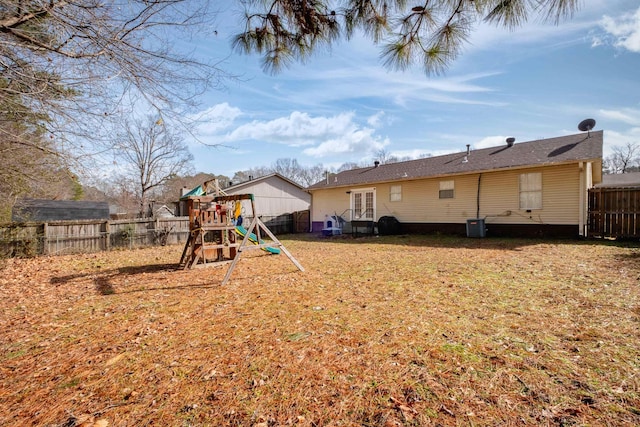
{"x": 363, "y": 204}
{"x": 395, "y": 193}
{"x": 446, "y": 189}
{"x": 531, "y": 190}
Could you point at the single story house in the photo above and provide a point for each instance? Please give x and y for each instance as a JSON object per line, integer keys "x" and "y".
{"x": 535, "y": 188}
{"x": 274, "y": 195}
{"x": 275, "y": 199}
{"x": 43, "y": 210}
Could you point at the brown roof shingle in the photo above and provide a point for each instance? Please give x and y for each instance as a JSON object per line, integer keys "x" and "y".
{"x": 564, "y": 149}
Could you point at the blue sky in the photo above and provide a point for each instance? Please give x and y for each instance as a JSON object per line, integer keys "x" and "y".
{"x": 342, "y": 105}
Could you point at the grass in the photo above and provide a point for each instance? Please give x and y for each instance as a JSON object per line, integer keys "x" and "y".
{"x": 389, "y": 331}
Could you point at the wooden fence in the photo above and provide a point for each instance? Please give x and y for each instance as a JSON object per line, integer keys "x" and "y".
{"x": 64, "y": 237}
{"x": 614, "y": 213}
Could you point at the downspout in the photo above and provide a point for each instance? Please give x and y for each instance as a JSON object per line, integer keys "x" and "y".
{"x": 478, "y": 197}
{"x": 583, "y": 201}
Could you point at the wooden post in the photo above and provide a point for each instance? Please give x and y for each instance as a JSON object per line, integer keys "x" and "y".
{"x": 45, "y": 238}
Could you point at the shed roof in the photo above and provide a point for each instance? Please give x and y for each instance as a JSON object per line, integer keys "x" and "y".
{"x": 238, "y": 186}
{"x": 59, "y": 210}
{"x": 559, "y": 150}
{"x": 620, "y": 180}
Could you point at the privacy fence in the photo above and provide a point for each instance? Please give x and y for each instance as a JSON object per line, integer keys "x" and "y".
{"x": 64, "y": 237}
{"x": 614, "y": 213}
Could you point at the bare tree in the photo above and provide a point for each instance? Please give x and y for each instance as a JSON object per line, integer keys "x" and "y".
{"x": 623, "y": 159}
{"x": 151, "y": 155}
{"x": 431, "y": 33}
{"x": 312, "y": 174}
{"x": 287, "y": 167}
{"x": 79, "y": 63}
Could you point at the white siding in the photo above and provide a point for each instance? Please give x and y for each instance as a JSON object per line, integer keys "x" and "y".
{"x": 274, "y": 196}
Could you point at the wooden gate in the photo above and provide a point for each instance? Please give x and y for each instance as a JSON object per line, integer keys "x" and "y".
{"x": 301, "y": 221}
{"x": 614, "y": 213}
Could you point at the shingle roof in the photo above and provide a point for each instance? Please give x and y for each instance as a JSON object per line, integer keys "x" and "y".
{"x": 262, "y": 178}
{"x": 631, "y": 179}
{"x": 564, "y": 149}
{"x": 59, "y": 210}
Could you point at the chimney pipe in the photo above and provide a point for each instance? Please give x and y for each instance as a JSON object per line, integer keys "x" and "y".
{"x": 376, "y": 164}
{"x": 468, "y": 149}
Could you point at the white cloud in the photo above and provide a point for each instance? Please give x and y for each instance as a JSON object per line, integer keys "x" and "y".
{"x": 624, "y": 30}
{"x": 322, "y": 135}
{"x": 629, "y": 116}
{"x": 215, "y": 119}
{"x": 376, "y": 120}
{"x": 297, "y": 129}
{"x": 359, "y": 141}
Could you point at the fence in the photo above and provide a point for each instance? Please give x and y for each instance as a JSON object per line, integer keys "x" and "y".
{"x": 62, "y": 237}
{"x": 614, "y": 212}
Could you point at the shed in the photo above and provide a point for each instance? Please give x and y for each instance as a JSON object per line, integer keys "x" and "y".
{"x": 44, "y": 210}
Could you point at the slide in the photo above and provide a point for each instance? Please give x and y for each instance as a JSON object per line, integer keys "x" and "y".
{"x": 252, "y": 238}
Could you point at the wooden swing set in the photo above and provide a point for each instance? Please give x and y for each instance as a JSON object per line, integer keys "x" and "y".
{"x": 216, "y": 236}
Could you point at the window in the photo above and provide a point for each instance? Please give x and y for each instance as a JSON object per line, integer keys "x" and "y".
{"x": 446, "y": 190}
{"x": 531, "y": 190}
{"x": 395, "y": 193}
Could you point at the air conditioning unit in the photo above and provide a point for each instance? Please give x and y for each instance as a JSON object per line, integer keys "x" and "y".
{"x": 476, "y": 228}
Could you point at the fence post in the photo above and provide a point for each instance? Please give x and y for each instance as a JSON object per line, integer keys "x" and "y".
{"x": 107, "y": 234}
{"x": 45, "y": 238}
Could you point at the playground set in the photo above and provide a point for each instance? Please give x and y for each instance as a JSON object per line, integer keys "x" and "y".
{"x": 217, "y": 235}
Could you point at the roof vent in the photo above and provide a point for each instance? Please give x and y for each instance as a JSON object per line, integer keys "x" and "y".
{"x": 466, "y": 158}
{"x": 510, "y": 141}
{"x": 376, "y": 164}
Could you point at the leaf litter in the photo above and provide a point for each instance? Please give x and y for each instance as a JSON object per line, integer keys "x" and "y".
{"x": 389, "y": 331}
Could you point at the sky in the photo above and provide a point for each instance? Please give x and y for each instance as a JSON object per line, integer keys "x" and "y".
{"x": 343, "y": 105}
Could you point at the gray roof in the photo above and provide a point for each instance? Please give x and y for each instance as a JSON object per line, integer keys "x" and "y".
{"x": 59, "y": 210}
{"x": 619, "y": 180}
{"x": 262, "y": 178}
{"x": 551, "y": 151}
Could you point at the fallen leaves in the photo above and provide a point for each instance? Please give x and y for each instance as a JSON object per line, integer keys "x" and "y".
{"x": 397, "y": 331}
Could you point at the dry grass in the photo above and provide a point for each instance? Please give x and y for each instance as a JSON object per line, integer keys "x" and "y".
{"x": 393, "y": 331}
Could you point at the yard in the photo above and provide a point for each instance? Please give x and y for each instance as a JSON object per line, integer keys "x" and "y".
{"x": 388, "y": 331}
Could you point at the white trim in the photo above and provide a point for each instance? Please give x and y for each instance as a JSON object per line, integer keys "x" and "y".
{"x": 363, "y": 192}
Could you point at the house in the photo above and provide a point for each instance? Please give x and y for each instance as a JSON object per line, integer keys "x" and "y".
{"x": 274, "y": 195}
{"x": 275, "y": 199}
{"x": 42, "y": 210}
{"x": 519, "y": 189}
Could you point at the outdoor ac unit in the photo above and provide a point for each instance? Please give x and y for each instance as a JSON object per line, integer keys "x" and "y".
{"x": 476, "y": 228}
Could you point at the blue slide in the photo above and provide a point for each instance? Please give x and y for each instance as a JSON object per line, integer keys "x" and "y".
{"x": 254, "y": 239}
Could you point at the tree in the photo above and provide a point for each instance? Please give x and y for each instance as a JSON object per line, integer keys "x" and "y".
{"x": 289, "y": 168}
{"x": 430, "y": 33}
{"x": 623, "y": 159}
{"x": 31, "y": 165}
{"x": 77, "y": 63}
{"x": 151, "y": 156}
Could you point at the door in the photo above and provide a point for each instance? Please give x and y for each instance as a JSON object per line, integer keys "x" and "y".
{"x": 363, "y": 202}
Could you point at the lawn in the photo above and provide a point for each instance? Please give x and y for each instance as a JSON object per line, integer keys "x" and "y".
{"x": 387, "y": 331}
